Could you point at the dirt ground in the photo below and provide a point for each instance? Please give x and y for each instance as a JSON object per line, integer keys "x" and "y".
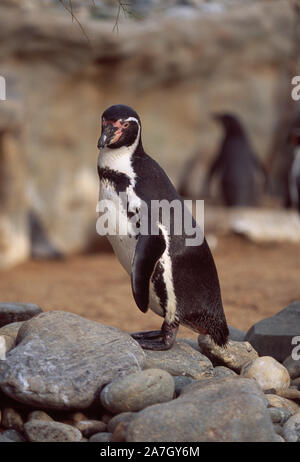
{"x": 256, "y": 282}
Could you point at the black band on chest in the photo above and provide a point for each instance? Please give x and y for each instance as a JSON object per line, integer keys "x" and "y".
{"x": 119, "y": 180}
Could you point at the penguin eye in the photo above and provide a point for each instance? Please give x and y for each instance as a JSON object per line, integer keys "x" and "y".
{"x": 126, "y": 124}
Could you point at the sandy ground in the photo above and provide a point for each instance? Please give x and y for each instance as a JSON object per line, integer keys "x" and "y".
{"x": 256, "y": 282}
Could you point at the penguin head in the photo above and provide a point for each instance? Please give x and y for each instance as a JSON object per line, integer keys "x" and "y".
{"x": 121, "y": 126}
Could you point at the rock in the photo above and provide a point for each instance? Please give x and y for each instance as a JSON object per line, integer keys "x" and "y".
{"x": 2, "y": 348}
{"x": 137, "y": 391}
{"x": 16, "y": 312}
{"x": 225, "y": 409}
{"x": 102, "y": 437}
{"x": 268, "y": 373}
{"x": 235, "y": 355}
{"x": 296, "y": 383}
{"x": 12, "y": 419}
{"x": 236, "y": 334}
{"x": 77, "y": 417}
{"x": 289, "y": 393}
{"x": 181, "y": 359}
{"x": 222, "y": 371}
{"x": 278, "y": 429}
{"x": 89, "y": 427}
{"x": 278, "y": 401}
{"x": 263, "y": 225}
{"x": 181, "y": 381}
{"x": 279, "y": 415}
{"x": 42, "y": 431}
{"x": 124, "y": 417}
{"x": 39, "y": 415}
{"x": 119, "y": 435}
{"x": 68, "y": 358}
{"x": 9, "y": 333}
{"x": 12, "y": 435}
{"x": 273, "y": 336}
{"x": 292, "y": 365}
{"x": 291, "y": 429}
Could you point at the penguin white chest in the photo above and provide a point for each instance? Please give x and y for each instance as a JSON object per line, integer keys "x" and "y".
{"x": 118, "y": 227}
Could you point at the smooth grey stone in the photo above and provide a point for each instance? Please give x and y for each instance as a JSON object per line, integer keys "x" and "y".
{"x": 13, "y": 435}
{"x": 273, "y": 336}
{"x": 229, "y": 409}
{"x": 279, "y": 414}
{"x": 43, "y": 431}
{"x": 103, "y": 437}
{"x": 291, "y": 429}
{"x": 293, "y": 366}
{"x": 181, "y": 359}
{"x": 223, "y": 371}
{"x": 181, "y": 381}
{"x": 137, "y": 391}
{"x": 124, "y": 417}
{"x": 62, "y": 359}
{"x": 16, "y": 312}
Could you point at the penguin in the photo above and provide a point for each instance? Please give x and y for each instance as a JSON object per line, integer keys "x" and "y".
{"x": 179, "y": 282}
{"x": 236, "y": 163}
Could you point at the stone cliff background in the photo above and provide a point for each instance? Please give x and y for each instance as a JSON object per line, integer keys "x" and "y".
{"x": 175, "y": 62}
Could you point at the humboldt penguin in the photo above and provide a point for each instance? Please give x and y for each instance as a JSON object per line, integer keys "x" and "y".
{"x": 236, "y": 163}
{"x": 175, "y": 279}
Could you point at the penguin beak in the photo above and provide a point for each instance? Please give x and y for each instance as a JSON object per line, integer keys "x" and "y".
{"x": 107, "y": 136}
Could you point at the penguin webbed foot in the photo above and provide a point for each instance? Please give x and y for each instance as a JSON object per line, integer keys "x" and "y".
{"x": 157, "y": 339}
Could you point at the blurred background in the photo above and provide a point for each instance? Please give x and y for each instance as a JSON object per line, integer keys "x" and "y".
{"x": 178, "y": 63}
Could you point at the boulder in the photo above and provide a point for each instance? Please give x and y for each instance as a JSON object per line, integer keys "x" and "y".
{"x": 209, "y": 410}
{"x": 292, "y": 365}
{"x": 291, "y": 429}
{"x": 273, "y": 336}
{"x": 61, "y": 360}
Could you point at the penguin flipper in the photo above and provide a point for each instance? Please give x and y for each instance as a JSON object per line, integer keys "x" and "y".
{"x": 148, "y": 251}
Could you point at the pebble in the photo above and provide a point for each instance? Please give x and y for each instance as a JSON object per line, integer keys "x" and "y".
{"x": 89, "y": 427}
{"x": 137, "y": 391}
{"x": 42, "y": 431}
{"x": 278, "y": 401}
{"x": 181, "y": 381}
{"x": 268, "y": 373}
{"x": 222, "y": 371}
{"x": 12, "y": 419}
{"x": 292, "y": 365}
{"x": 279, "y": 415}
{"x": 124, "y": 417}
{"x": 234, "y": 356}
{"x": 9, "y": 333}
{"x": 181, "y": 359}
{"x": 291, "y": 429}
{"x": 102, "y": 437}
{"x": 15, "y": 312}
{"x": 12, "y": 435}
{"x": 39, "y": 415}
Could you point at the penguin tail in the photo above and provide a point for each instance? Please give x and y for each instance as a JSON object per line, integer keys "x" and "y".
{"x": 219, "y": 333}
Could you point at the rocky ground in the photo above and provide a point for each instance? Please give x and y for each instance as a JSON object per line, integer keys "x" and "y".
{"x": 66, "y": 378}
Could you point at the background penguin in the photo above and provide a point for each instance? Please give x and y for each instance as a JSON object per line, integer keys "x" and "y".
{"x": 236, "y": 163}
{"x": 293, "y": 178}
{"x": 178, "y": 282}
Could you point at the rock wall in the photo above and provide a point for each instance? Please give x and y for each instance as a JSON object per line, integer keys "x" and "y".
{"x": 174, "y": 70}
